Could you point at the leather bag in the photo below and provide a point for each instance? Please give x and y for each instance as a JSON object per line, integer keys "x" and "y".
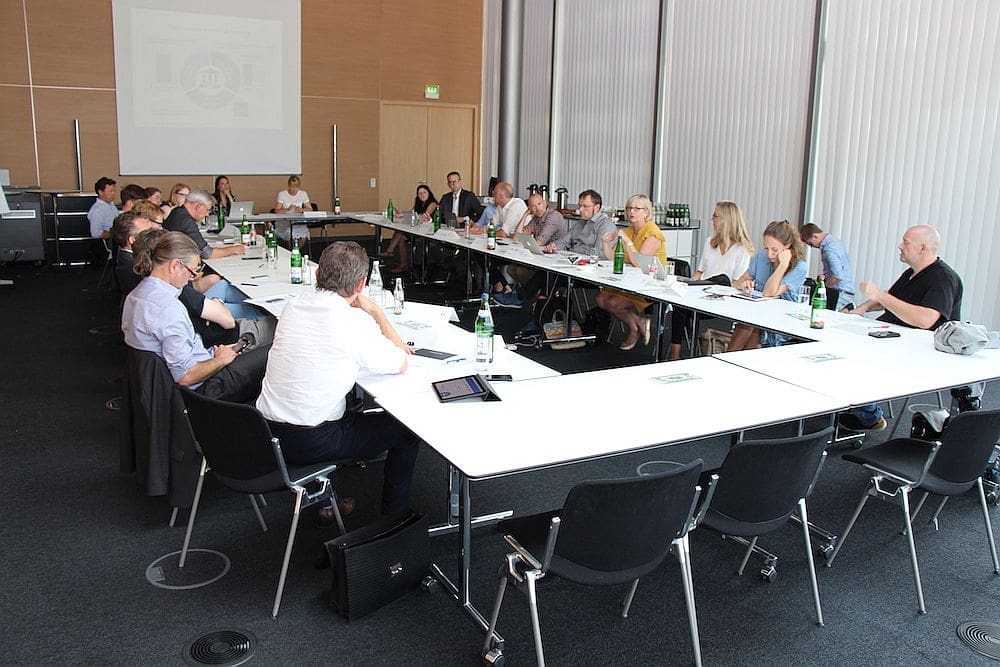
{"x": 376, "y": 564}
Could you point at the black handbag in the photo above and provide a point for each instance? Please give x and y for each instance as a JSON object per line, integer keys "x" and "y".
{"x": 376, "y": 564}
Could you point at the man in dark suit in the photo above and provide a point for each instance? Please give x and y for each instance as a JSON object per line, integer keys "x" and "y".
{"x": 460, "y": 203}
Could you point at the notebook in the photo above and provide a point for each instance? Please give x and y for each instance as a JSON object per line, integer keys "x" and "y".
{"x": 239, "y": 209}
{"x": 528, "y": 241}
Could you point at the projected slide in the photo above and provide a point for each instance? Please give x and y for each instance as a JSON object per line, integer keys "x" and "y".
{"x": 224, "y": 73}
{"x": 208, "y": 88}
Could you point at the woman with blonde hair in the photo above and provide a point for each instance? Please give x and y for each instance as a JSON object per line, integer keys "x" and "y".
{"x": 777, "y": 270}
{"x": 641, "y": 236}
{"x": 725, "y": 257}
{"x": 178, "y": 195}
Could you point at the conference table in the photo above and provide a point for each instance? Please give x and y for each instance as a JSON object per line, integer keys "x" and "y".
{"x": 839, "y": 367}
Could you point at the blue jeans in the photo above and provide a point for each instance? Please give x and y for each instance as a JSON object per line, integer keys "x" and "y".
{"x": 867, "y": 414}
{"x": 233, "y": 298}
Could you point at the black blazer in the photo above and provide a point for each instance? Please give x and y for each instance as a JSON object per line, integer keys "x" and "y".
{"x": 468, "y": 204}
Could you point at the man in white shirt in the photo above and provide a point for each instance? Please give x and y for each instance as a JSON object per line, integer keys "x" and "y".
{"x": 510, "y": 209}
{"x": 294, "y": 199}
{"x": 324, "y": 339}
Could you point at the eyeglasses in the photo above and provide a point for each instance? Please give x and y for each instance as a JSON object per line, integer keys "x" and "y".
{"x": 454, "y": 181}
{"x": 587, "y": 205}
{"x": 194, "y": 272}
{"x": 183, "y": 194}
{"x": 635, "y": 208}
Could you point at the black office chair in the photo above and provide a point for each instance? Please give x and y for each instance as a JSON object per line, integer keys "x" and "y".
{"x": 237, "y": 443}
{"x": 948, "y": 467}
{"x": 760, "y": 485}
{"x": 608, "y": 532}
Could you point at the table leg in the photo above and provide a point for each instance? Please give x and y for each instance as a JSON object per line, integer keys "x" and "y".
{"x": 461, "y": 591}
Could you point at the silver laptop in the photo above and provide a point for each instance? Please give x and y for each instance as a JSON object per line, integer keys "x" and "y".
{"x": 644, "y": 262}
{"x": 528, "y": 241}
{"x": 239, "y": 209}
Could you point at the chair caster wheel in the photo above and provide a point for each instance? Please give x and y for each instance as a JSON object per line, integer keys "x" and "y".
{"x": 769, "y": 573}
{"x": 494, "y": 657}
{"x": 429, "y": 583}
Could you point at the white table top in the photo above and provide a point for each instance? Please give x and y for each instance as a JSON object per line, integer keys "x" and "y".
{"x": 532, "y": 428}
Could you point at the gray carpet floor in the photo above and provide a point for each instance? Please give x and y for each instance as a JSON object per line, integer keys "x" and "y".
{"x": 77, "y": 538}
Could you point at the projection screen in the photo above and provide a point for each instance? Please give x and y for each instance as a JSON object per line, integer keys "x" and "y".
{"x": 208, "y": 88}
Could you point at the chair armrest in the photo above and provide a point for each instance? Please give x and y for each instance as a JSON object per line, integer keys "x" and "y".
{"x": 523, "y": 553}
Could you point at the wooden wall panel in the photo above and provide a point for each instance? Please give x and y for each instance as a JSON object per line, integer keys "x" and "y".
{"x": 13, "y": 48}
{"x": 357, "y": 148}
{"x": 451, "y": 146}
{"x": 353, "y": 53}
{"x": 17, "y": 150}
{"x": 55, "y": 110}
{"x": 403, "y": 153}
{"x": 340, "y": 48}
{"x": 71, "y": 43}
{"x": 440, "y": 42}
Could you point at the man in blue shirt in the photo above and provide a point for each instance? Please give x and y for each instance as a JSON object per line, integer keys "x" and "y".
{"x": 836, "y": 266}
{"x": 103, "y": 212}
{"x": 154, "y": 320}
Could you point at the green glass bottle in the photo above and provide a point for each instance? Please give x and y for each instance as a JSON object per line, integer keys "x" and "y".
{"x": 221, "y": 217}
{"x": 816, "y": 320}
{"x": 619, "y": 257}
{"x": 296, "y": 272}
{"x": 437, "y": 219}
{"x": 336, "y": 205}
{"x": 390, "y": 211}
{"x": 271, "y": 240}
{"x": 491, "y": 236}
{"x": 245, "y": 231}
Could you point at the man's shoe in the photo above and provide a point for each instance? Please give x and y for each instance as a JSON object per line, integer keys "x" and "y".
{"x": 327, "y": 517}
{"x": 507, "y": 300}
{"x": 852, "y": 423}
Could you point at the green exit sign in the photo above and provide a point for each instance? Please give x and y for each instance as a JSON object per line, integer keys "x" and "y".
{"x": 432, "y": 91}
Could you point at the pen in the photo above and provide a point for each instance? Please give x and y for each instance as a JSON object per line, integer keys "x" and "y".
{"x": 255, "y": 277}
{"x": 250, "y": 284}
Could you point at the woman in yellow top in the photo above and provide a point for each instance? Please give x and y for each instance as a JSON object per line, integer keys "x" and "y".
{"x": 642, "y": 235}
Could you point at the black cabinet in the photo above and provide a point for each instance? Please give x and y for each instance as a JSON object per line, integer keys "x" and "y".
{"x": 66, "y": 228}
{"x": 21, "y": 230}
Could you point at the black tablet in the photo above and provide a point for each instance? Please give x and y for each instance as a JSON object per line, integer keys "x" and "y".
{"x": 433, "y": 354}
{"x": 469, "y": 386}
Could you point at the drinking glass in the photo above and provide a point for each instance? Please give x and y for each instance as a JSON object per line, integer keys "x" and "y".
{"x": 802, "y": 311}
{"x": 670, "y": 268}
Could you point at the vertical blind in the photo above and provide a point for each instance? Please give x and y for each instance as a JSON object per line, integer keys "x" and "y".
{"x": 908, "y": 134}
{"x": 603, "y": 110}
{"x": 738, "y": 106}
{"x": 536, "y": 77}
{"x": 491, "y": 92}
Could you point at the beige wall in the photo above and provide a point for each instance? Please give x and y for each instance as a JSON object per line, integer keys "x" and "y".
{"x": 356, "y": 54}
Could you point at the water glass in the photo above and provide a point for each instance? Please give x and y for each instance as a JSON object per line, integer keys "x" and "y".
{"x": 802, "y": 311}
{"x": 594, "y": 257}
{"x": 670, "y": 268}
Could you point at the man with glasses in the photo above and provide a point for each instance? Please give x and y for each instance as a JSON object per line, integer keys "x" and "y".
{"x": 154, "y": 320}
{"x": 462, "y": 204}
{"x": 585, "y": 234}
{"x": 185, "y": 219}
